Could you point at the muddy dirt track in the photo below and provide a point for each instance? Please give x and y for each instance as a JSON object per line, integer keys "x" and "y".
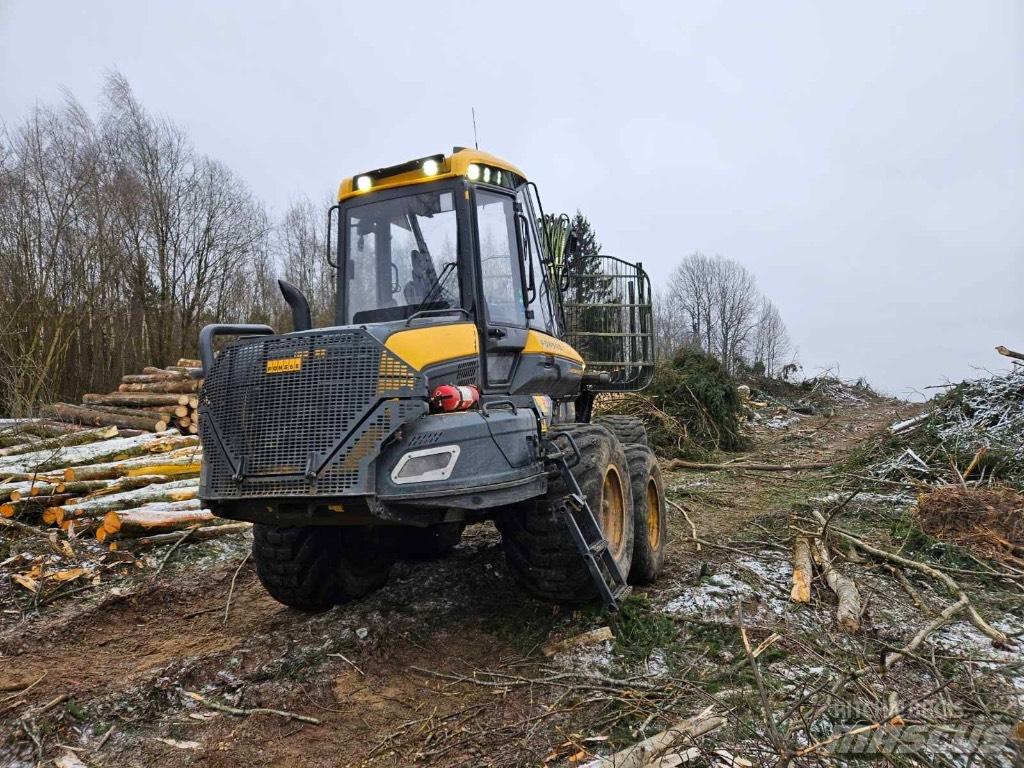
{"x": 443, "y": 666}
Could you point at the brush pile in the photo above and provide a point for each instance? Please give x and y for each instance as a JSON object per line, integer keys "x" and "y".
{"x": 987, "y": 520}
{"x": 155, "y": 400}
{"x": 123, "y": 491}
{"x": 691, "y": 407}
{"x": 977, "y": 424}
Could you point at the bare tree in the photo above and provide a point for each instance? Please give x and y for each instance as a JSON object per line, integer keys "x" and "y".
{"x": 300, "y": 249}
{"x": 771, "y": 346}
{"x": 118, "y": 241}
{"x": 717, "y": 302}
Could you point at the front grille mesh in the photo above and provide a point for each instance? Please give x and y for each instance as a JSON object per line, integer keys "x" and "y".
{"x": 281, "y": 425}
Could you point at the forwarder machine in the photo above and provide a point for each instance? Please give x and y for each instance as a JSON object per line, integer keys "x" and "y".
{"x": 470, "y": 339}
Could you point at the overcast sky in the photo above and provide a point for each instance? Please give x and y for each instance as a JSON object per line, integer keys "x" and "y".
{"x": 864, "y": 160}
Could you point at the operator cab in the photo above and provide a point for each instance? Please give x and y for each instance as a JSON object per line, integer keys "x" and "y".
{"x": 447, "y": 239}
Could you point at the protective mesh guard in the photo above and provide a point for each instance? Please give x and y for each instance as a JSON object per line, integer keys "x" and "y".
{"x": 609, "y": 319}
{"x": 283, "y": 406}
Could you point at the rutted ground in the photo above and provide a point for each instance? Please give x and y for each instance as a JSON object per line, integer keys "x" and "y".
{"x": 444, "y": 665}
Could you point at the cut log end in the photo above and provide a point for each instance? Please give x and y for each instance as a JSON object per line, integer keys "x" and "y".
{"x": 802, "y": 571}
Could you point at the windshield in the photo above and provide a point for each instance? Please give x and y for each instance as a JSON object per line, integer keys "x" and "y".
{"x": 402, "y": 257}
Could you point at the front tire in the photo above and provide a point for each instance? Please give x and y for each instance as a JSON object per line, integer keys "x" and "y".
{"x": 313, "y": 568}
{"x": 538, "y": 547}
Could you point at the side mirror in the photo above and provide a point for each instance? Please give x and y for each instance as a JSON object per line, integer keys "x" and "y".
{"x": 526, "y": 249}
{"x": 572, "y": 244}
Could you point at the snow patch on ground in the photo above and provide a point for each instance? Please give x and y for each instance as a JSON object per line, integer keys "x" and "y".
{"x": 864, "y": 497}
{"x": 593, "y": 657}
{"x": 717, "y": 595}
{"x": 781, "y": 421}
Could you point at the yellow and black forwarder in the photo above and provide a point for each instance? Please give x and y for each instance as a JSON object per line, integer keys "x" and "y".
{"x": 471, "y": 337}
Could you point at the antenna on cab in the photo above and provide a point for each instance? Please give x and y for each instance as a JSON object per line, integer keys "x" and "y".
{"x": 476, "y": 143}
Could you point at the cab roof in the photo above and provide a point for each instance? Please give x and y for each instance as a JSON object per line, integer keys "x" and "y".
{"x": 413, "y": 172}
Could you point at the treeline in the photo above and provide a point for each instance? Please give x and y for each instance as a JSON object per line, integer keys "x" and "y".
{"x": 119, "y": 241}
{"x": 714, "y": 304}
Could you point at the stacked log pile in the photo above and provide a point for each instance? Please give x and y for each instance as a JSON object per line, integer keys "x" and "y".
{"x": 127, "y": 492}
{"x": 156, "y": 400}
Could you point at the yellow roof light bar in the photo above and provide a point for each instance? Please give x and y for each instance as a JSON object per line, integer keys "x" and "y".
{"x": 469, "y": 163}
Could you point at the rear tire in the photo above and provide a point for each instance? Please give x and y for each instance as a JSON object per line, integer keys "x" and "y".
{"x": 538, "y": 547}
{"x": 425, "y": 543}
{"x": 315, "y": 567}
{"x": 649, "y": 520}
{"x": 629, "y": 429}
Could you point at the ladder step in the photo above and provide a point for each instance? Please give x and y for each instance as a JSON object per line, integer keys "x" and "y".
{"x": 621, "y": 592}
{"x": 599, "y": 546}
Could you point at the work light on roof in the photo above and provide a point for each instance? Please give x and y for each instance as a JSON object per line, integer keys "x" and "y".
{"x": 363, "y": 183}
{"x": 473, "y": 171}
{"x": 431, "y": 167}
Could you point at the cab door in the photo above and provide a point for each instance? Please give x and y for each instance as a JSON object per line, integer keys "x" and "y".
{"x": 501, "y": 280}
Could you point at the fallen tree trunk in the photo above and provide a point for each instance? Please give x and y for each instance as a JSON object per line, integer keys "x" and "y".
{"x": 149, "y": 520}
{"x": 848, "y": 611}
{"x": 951, "y": 584}
{"x": 79, "y": 414}
{"x": 180, "y": 462}
{"x": 63, "y": 441}
{"x": 802, "y": 571}
{"x": 197, "y": 534}
{"x": 164, "y": 387}
{"x": 1009, "y": 353}
{"x": 136, "y": 398}
{"x": 651, "y": 751}
{"x": 922, "y": 634}
{"x": 681, "y": 464}
{"x": 909, "y": 424}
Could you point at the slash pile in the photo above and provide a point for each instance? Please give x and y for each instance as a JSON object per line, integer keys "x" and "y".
{"x": 978, "y": 425}
{"x": 152, "y": 401}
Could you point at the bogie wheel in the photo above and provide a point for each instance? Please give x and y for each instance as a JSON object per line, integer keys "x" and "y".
{"x": 629, "y": 429}
{"x": 313, "y": 568}
{"x": 425, "y": 543}
{"x": 538, "y": 547}
{"x": 649, "y": 521}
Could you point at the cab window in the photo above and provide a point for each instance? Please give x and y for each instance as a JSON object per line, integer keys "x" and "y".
{"x": 402, "y": 257}
{"x": 499, "y": 259}
{"x": 543, "y": 313}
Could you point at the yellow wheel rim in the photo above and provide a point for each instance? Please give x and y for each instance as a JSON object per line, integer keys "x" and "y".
{"x": 613, "y": 511}
{"x": 653, "y": 515}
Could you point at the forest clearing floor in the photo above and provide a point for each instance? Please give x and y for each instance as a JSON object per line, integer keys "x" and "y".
{"x": 446, "y": 665}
